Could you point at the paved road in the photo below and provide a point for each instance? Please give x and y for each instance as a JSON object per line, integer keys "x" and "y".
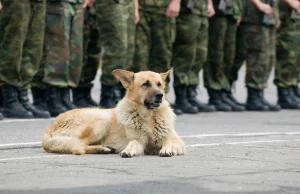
{"x": 226, "y": 153}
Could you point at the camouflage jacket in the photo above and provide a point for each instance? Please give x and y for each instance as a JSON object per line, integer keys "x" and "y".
{"x": 254, "y": 16}
{"x": 70, "y": 1}
{"x": 200, "y": 7}
{"x": 233, "y": 8}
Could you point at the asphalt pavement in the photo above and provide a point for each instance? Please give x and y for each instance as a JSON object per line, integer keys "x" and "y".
{"x": 247, "y": 152}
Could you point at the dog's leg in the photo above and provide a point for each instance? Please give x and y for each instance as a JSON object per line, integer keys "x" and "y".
{"x": 134, "y": 148}
{"x": 172, "y": 146}
{"x": 99, "y": 149}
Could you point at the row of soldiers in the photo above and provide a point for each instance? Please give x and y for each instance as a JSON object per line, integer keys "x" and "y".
{"x": 53, "y": 47}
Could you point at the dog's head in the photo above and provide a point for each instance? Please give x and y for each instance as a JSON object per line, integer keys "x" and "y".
{"x": 145, "y": 88}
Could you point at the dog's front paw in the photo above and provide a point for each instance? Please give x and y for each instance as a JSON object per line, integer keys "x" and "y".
{"x": 176, "y": 148}
{"x": 165, "y": 152}
{"x": 125, "y": 154}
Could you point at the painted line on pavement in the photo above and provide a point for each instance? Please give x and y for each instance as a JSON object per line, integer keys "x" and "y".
{"x": 240, "y": 134}
{"x": 241, "y": 142}
{"x": 31, "y": 157}
{"x": 20, "y": 144}
{"x": 24, "y": 120}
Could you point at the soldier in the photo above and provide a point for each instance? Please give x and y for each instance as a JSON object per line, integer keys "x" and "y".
{"x": 21, "y": 38}
{"x": 82, "y": 94}
{"x": 221, "y": 53}
{"x": 154, "y": 35}
{"x": 288, "y": 54}
{"x": 260, "y": 21}
{"x": 190, "y": 52}
{"x": 63, "y": 60}
{"x": 116, "y": 24}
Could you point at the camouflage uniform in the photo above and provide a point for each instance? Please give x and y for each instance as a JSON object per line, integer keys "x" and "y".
{"x": 221, "y": 46}
{"x": 92, "y": 49}
{"x": 116, "y": 33}
{"x": 63, "y": 46}
{"x": 259, "y": 42}
{"x": 190, "y": 46}
{"x": 154, "y": 32}
{"x": 288, "y": 50}
{"x": 21, "y": 41}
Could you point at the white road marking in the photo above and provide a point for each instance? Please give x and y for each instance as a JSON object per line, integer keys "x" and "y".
{"x": 20, "y": 144}
{"x": 31, "y": 157}
{"x": 240, "y": 134}
{"x": 24, "y": 120}
{"x": 241, "y": 142}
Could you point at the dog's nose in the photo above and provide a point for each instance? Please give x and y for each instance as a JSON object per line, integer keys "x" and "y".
{"x": 158, "y": 96}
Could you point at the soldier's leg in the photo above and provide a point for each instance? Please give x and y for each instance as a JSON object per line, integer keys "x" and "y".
{"x": 184, "y": 54}
{"x": 112, "y": 22}
{"x": 260, "y": 46}
{"x": 14, "y": 23}
{"x": 57, "y": 52}
{"x": 91, "y": 50}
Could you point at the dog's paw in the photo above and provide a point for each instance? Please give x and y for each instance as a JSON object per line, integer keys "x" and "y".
{"x": 165, "y": 152}
{"x": 106, "y": 150}
{"x": 112, "y": 150}
{"x": 125, "y": 154}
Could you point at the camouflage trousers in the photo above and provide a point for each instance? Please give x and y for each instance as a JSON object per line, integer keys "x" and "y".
{"x": 22, "y": 26}
{"x": 221, "y": 52}
{"x": 189, "y": 48}
{"x": 153, "y": 45}
{"x": 63, "y": 47}
{"x": 259, "y": 44}
{"x": 116, "y": 34}
{"x": 91, "y": 50}
{"x": 288, "y": 54}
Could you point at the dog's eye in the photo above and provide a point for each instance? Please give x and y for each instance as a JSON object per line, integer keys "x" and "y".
{"x": 159, "y": 84}
{"x": 147, "y": 84}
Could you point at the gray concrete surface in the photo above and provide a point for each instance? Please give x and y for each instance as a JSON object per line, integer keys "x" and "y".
{"x": 247, "y": 152}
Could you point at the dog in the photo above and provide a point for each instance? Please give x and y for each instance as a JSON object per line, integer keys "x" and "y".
{"x": 142, "y": 123}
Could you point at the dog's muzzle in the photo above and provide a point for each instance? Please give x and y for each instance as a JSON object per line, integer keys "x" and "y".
{"x": 155, "y": 101}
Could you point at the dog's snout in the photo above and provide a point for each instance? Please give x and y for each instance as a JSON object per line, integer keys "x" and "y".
{"x": 158, "y": 95}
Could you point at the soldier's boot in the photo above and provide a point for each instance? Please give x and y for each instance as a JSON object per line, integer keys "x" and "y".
{"x": 119, "y": 92}
{"x": 234, "y": 106}
{"x": 39, "y": 96}
{"x": 233, "y": 99}
{"x": 54, "y": 103}
{"x": 66, "y": 98}
{"x": 107, "y": 97}
{"x": 216, "y": 100}
{"x": 12, "y": 108}
{"x": 285, "y": 99}
{"x": 24, "y": 100}
{"x": 182, "y": 102}
{"x": 82, "y": 97}
{"x": 293, "y": 94}
{"x": 1, "y": 116}
{"x": 272, "y": 107}
{"x": 192, "y": 98}
{"x": 296, "y": 90}
{"x": 254, "y": 102}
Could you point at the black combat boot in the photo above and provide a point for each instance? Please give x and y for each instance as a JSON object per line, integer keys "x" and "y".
{"x": 254, "y": 102}
{"x": 294, "y": 95}
{"x": 272, "y": 107}
{"x": 39, "y": 98}
{"x": 24, "y": 100}
{"x": 285, "y": 99}
{"x": 296, "y": 90}
{"x": 12, "y": 108}
{"x": 119, "y": 92}
{"x": 107, "y": 97}
{"x": 1, "y": 105}
{"x": 66, "y": 98}
{"x": 215, "y": 99}
{"x": 192, "y": 98}
{"x": 82, "y": 97}
{"x": 54, "y": 103}
{"x": 1, "y": 116}
{"x": 231, "y": 102}
{"x": 182, "y": 102}
{"x": 233, "y": 99}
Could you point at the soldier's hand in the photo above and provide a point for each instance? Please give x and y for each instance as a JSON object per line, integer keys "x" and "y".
{"x": 0, "y": 6}
{"x": 173, "y": 9}
{"x": 137, "y": 16}
{"x": 210, "y": 11}
{"x": 294, "y": 4}
{"x": 238, "y": 22}
{"x": 278, "y": 24}
{"x": 88, "y": 3}
{"x": 265, "y": 8}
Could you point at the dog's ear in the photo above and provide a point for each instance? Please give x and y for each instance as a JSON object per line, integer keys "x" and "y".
{"x": 165, "y": 75}
{"x": 125, "y": 77}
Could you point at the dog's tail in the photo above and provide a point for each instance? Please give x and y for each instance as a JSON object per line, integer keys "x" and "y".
{"x": 62, "y": 144}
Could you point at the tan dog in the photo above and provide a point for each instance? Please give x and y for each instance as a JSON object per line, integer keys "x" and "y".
{"x": 142, "y": 123}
